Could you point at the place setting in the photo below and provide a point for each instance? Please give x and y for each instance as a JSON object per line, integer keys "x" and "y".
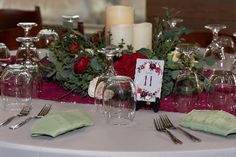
{"x": 130, "y": 87}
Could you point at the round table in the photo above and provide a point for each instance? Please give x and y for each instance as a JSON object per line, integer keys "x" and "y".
{"x": 102, "y": 140}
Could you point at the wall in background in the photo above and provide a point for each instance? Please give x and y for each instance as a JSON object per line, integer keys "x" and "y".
{"x": 90, "y": 11}
{"x": 197, "y": 13}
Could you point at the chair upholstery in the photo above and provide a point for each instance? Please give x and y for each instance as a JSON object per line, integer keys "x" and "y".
{"x": 8, "y": 24}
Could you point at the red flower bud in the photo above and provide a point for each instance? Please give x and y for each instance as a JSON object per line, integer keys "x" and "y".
{"x": 74, "y": 47}
{"x": 81, "y": 65}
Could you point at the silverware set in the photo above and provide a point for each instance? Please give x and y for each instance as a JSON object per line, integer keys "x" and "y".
{"x": 163, "y": 124}
{"x": 24, "y": 112}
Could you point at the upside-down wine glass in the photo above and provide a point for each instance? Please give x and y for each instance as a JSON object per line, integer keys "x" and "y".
{"x": 27, "y": 26}
{"x": 109, "y": 51}
{"x": 69, "y": 21}
{"x": 221, "y": 95}
{"x": 21, "y": 51}
{"x": 30, "y": 63}
{"x": 119, "y": 100}
{"x": 215, "y": 48}
{"x": 47, "y": 36}
{"x": 187, "y": 86}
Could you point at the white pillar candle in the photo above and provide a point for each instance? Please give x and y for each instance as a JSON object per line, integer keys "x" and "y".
{"x": 119, "y": 32}
{"x": 116, "y": 15}
{"x": 142, "y": 36}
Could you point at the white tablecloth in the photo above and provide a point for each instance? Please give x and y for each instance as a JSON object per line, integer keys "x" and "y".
{"x": 102, "y": 140}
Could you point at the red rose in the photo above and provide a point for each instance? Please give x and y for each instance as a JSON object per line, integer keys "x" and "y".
{"x": 81, "y": 65}
{"x": 126, "y": 64}
{"x": 74, "y": 47}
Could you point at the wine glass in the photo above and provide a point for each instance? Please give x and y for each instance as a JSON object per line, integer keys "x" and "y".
{"x": 215, "y": 48}
{"x": 5, "y": 56}
{"x": 68, "y": 21}
{"x": 186, "y": 91}
{"x": 27, "y": 26}
{"x": 119, "y": 100}
{"x": 229, "y": 49}
{"x": 27, "y": 42}
{"x": 47, "y": 36}
{"x": 221, "y": 91}
{"x": 30, "y": 63}
{"x": 109, "y": 52}
{"x": 16, "y": 87}
{"x": 21, "y": 51}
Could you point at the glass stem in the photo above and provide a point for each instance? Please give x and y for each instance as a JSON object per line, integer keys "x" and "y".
{"x": 215, "y": 34}
{"x": 110, "y": 68}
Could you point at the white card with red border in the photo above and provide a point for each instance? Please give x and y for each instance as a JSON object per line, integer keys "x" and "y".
{"x": 148, "y": 79}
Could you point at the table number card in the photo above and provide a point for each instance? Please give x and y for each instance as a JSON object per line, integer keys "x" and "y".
{"x": 148, "y": 79}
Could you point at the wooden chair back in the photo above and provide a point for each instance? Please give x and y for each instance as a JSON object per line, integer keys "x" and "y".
{"x": 8, "y": 24}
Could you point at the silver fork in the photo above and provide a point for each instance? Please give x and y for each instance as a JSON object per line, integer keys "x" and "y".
{"x": 24, "y": 112}
{"x": 42, "y": 113}
{"x": 168, "y": 124}
{"x": 159, "y": 127}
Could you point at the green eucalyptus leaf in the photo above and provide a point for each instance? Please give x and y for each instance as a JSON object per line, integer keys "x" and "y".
{"x": 95, "y": 65}
{"x": 210, "y": 60}
{"x": 146, "y": 52}
{"x": 174, "y": 74}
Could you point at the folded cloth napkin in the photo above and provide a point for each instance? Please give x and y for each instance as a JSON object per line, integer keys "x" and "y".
{"x": 212, "y": 121}
{"x": 57, "y": 123}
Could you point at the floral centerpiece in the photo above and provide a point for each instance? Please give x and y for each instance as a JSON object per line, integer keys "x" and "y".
{"x": 74, "y": 61}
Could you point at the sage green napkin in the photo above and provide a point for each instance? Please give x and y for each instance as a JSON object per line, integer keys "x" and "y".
{"x": 57, "y": 123}
{"x": 212, "y": 121}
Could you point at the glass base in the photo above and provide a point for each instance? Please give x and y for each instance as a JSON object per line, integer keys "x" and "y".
{"x": 119, "y": 121}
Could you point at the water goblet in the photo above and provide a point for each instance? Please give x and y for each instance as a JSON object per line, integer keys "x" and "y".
{"x": 27, "y": 26}
{"x": 109, "y": 52}
{"x": 119, "y": 100}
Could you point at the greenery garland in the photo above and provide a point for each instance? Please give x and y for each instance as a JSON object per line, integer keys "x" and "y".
{"x": 74, "y": 49}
